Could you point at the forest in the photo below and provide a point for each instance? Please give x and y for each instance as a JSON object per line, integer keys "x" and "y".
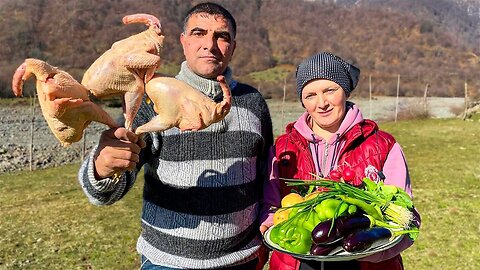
{"x": 425, "y": 43}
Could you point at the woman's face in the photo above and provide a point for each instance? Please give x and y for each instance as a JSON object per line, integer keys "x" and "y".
{"x": 326, "y": 103}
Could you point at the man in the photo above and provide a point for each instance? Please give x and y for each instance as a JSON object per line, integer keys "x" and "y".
{"x": 202, "y": 189}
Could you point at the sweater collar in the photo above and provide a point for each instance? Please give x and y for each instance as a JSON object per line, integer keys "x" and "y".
{"x": 209, "y": 87}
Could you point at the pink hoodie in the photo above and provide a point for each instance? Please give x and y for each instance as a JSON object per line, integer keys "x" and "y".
{"x": 324, "y": 154}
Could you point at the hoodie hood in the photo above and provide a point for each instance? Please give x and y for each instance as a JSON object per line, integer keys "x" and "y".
{"x": 352, "y": 117}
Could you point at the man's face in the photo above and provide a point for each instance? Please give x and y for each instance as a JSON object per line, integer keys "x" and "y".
{"x": 208, "y": 44}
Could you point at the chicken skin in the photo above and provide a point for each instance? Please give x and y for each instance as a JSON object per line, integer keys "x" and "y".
{"x": 127, "y": 66}
{"x": 64, "y": 102}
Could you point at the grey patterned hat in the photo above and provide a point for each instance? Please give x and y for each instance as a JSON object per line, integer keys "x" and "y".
{"x": 327, "y": 66}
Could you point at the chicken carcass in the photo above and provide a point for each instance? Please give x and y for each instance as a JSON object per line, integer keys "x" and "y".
{"x": 180, "y": 105}
{"x": 64, "y": 101}
{"x": 127, "y": 66}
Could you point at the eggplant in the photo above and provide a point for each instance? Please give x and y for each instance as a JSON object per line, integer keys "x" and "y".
{"x": 322, "y": 250}
{"x": 322, "y": 234}
{"x": 342, "y": 226}
{"x": 362, "y": 240}
{"x": 347, "y": 224}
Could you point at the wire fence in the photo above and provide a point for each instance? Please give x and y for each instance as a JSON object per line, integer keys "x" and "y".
{"x": 25, "y": 133}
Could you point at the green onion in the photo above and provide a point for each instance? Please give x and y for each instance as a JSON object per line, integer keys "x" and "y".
{"x": 380, "y": 201}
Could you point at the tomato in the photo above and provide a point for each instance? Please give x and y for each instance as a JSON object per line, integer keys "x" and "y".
{"x": 348, "y": 174}
{"x": 335, "y": 175}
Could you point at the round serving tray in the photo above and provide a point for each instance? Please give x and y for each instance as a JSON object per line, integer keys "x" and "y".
{"x": 338, "y": 254}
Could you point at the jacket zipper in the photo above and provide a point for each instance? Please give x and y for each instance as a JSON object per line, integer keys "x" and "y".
{"x": 325, "y": 156}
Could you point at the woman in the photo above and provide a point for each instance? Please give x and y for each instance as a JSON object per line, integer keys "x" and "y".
{"x": 329, "y": 139}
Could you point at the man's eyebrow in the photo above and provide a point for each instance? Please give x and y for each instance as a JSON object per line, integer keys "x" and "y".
{"x": 223, "y": 33}
{"x": 197, "y": 29}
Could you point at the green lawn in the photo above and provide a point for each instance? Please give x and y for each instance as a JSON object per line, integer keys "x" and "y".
{"x": 47, "y": 223}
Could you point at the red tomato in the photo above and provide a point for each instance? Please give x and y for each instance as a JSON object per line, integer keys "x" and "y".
{"x": 335, "y": 175}
{"x": 348, "y": 174}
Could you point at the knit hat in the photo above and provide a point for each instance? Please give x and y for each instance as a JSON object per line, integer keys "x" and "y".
{"x": 327, "y": 66}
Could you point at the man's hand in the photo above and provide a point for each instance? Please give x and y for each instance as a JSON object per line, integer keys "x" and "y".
{"x": 118, "y": 151}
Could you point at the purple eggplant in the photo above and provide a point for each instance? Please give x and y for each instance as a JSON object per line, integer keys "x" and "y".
{"x": 362, "y": 240}
{"x": 322, "y": 250}
{"x": 347, "y": 224}
{"x": 324, "y": 233}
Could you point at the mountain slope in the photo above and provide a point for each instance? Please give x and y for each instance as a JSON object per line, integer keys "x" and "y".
{"x": 426, "y": 41}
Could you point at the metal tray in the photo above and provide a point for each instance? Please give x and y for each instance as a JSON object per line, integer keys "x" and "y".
{"x": 338, "y": 254}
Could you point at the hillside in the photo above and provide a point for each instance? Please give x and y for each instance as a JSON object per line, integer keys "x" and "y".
{"x": 427, "y": 41}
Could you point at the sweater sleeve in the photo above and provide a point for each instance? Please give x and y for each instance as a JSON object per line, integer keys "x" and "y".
{"x": 396, "y": 173}
{"x": 271, "y": 190}
{"x": 108, "y": 191}
{"x": 105, "y": 191}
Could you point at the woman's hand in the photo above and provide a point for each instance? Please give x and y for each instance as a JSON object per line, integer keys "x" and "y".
{"x": 264, "y": 228}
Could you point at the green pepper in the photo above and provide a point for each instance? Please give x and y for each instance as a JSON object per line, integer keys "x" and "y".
{"x": 366, "y": 207}
{"x": 276, "y": 234}
{"x": 328, "y": 207}
{"x": 321, "y": 214}
{"x": 298, "y": 240}
{"x": 307, "y": 220}
{"x": 311, "y": 221}
{"x": 352, "y": 209}
{"x": 293, "y": 212}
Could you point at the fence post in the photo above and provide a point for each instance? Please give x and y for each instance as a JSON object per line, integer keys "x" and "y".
{"x": 32, "y": 104}
{"x": 283, "y": 100}
{"x": 396, "y": 102}
{"x": 84, "y": 146}
{"x": 466, "y": 102}
{"x": 370, "y": 94}
{"x": 425, "y": 107}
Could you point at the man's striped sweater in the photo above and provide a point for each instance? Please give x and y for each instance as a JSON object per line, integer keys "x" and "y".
{"x": 202, "y": 189}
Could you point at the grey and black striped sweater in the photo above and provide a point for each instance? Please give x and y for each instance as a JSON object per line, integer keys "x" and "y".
{"x": 202, "y": 189}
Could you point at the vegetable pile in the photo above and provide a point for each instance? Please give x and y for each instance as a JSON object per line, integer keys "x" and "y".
{"x": 333, "y": 214}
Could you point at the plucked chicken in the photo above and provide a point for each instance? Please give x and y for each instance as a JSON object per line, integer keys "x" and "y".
{"x": 64, "y": 102}
{"x": 179, "y": 105}
{"x": 127, "y": 66}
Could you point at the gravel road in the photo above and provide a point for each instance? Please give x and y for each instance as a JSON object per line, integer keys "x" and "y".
{"x": 15, "y": 129}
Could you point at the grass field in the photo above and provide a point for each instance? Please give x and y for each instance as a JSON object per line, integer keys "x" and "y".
{"x": 47, "y": 223}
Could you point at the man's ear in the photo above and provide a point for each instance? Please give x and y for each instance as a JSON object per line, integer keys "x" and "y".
{"x": 234, "y": 44}
{"x": 182, "y": 38}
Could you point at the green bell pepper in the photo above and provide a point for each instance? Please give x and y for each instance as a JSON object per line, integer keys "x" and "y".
{"x": 298, "y": 240}
{"x": 277, "y": 234}
{"x": 308, "y": 220}
{"x": 328, "y": 207}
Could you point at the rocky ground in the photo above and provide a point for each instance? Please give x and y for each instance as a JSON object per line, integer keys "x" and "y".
{"x": 16, "y": 137}
{"x": 15, "y": 129}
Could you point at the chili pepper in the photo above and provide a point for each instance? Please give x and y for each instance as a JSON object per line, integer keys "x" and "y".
{"x": 367, "y": 208}
{"x": 298, "y": 240}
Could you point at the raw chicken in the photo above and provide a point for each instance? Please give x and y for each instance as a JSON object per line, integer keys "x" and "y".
{"x": 64, "y": 102}
{"x": 127, "y": 66}
{"x": 179, "y": 105}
